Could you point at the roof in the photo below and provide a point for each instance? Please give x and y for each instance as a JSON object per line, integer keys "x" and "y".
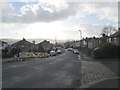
{"x": 22, "y": 42}
{"x": 3, "y": 42}
{"x": 117, "y": 34}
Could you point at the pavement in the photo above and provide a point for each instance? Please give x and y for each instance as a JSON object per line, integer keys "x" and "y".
{"x": 99, "y": 73}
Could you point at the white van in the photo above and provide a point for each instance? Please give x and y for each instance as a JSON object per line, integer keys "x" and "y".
{"x": 53, "y": 53}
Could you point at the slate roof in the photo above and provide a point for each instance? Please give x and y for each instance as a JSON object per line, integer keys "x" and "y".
{"x": 22, "y": 42}
{"x": 117, "y": 34}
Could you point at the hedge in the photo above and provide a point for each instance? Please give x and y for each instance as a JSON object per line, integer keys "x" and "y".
{"x": 106, "y": 51}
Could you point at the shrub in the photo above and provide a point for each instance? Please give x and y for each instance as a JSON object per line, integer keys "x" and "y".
{"x": 106, "y": 51}
{"x": 15, "y": 51}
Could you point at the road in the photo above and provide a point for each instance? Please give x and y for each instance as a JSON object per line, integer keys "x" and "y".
{"x": 61, "y": 71}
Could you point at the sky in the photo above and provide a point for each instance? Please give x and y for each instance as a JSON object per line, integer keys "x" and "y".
{"x": 60, "y": 19}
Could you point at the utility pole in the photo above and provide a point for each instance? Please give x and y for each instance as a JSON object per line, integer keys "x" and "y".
{"x": 55, "y": 42}
{"x": 81, "y": 44}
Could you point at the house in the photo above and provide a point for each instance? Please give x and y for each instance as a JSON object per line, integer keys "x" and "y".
{"x": 72, "y": 44}
{"x": 67, "y": 44}
{"x": 39, "y": 47}
{"x": 103, "y": 40}
{"x": 115, "y": 38}
{"x": 88, "y": 42}
{"x": 47, "y": 46}
{"x": 3, "y": 45}
{"x": 91, "y": 42}
{"x": 84, "y": 43}
{"x": 77, "y": 44}
{"x": 24, "y": 45}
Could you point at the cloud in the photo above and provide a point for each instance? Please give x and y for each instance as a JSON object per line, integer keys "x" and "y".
{"x": 54, "y": 11}
{"x": 108, "y": 11}
{"x": 7, "y": 9}
{"x": 88, "y": 30}
{"x": 92, "y": 29}
{"x": 103, "y": 10}
{"x": 41, "y": 13}
{"x": 12, "y": 30}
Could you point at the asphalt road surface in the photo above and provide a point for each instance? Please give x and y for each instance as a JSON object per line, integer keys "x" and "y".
{"x": 61, "y": 71}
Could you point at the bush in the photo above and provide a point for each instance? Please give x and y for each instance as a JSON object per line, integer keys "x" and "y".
{"x": 5, "y": 53}
{"x": 15, "y": 51}
{"x": 106, "y": 51}
{"x": 118, "y": 52}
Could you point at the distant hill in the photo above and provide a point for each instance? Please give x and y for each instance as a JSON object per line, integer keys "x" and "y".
{"x": 10, "y": 41}
{"x": 37, "y": 40}
{"x": 40, "y": 40}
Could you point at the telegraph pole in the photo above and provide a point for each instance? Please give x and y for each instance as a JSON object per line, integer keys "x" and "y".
{"x": 81, "y": 44}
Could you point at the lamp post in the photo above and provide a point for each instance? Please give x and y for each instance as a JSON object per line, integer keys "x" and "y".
{"x": 80, "y": 34}
{"x": 81, "y": 44}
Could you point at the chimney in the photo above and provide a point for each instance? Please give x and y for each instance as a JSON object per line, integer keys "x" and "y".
{"x": 103, "y": 35}
{"x": 24, "y": 39}
{"x": 33, "y": 42}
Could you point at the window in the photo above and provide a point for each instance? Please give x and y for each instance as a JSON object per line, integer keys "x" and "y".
{"x": 109, "y": 40}
{"x": 115, "y": 39}
{"x": 22, "y": 46}
{"x": 99, "y": 41}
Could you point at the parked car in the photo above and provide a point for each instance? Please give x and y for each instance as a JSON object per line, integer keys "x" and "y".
{"x": 70, "y": 49}
{"x": 58, "y": 51}
{"x": 53, "y": 53}
{"x": 75, "y": 51}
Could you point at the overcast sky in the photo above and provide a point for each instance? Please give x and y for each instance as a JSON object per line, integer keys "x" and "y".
{"x": 56, "y": 18}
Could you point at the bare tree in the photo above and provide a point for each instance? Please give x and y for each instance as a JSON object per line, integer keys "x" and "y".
{"x": 108, "y": 30}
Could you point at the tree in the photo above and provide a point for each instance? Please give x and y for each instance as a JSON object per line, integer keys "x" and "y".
{"x": 15, "y": 51}
{"x": 108, "y": 30}
{"x": 5, "y": 52}
{"x": 67, "y": 44}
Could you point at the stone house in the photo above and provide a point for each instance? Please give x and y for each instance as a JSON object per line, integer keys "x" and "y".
{"x": 3, "y": 45}
{"x": 91, "y": 42}
{"x": 75, "y": 44}
{"x": 24, "y": 45}
{"x": 47, "y": 46}
{"x": 103, "y": 40}
{"x": 39, "y": 47}
{"x": 115, "y": 38}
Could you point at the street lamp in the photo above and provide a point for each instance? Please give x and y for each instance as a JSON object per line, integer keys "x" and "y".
{"x": 80, "y": 34}
{"x": 81, "y": 43}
